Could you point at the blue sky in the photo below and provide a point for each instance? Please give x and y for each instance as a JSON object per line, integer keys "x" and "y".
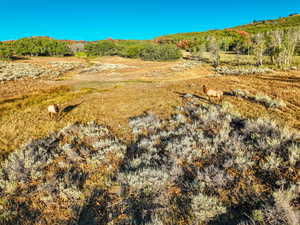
{"x": 131, "y": 19}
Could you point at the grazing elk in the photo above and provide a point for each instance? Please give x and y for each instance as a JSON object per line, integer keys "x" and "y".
{"x": 213, "y": 93}
{"x": 53, "y": 111}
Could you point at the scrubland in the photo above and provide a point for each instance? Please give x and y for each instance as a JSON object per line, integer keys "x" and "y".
{"x": 138, "y": 142}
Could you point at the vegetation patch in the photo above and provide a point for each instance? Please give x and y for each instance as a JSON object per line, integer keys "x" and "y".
{"x": 200, "y": 166}
{"x": 242, "y": 70}
{"x": 263, "y": 99}
{"x": 144, "y": 50}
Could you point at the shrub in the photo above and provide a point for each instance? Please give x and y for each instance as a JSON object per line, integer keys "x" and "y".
{"x": 81, "y": 54}
{"x": 268, "y": 101}
{"x": 205, "y": 207}
{"x": 160, "y": 52}
{"x": 263, "y": 99}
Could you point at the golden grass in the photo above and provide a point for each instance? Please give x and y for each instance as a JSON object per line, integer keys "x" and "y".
{"x": 23, "y": 104}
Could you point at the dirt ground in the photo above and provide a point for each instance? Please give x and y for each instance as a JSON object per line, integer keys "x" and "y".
{"x": 111, "y": 97}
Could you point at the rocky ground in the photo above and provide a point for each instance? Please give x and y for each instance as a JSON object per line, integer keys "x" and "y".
{"x": 58, "y": 68}
{"x": 98, "y": 67}
{"x": 185, "y": 66}
{"x": 13, "y": 71}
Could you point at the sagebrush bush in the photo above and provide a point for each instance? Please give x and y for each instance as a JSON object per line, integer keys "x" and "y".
{"x": 260, "y": 98}
{"x": 200, "y": 166}
{"x": 62, "y": 171}
{"x": 242, "y": 70}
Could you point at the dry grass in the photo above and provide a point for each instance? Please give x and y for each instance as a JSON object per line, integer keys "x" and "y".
{"x": 111, "y": 98}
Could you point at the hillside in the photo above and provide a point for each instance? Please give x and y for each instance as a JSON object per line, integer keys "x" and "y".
{"x": 253, "y": 28}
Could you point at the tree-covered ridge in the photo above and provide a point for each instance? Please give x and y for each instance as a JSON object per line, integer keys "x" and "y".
{"x": 253, "y": 28}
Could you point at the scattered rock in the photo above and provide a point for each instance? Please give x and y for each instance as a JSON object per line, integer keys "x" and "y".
{"x": 242, "y": 71}
{"x": 98, "y": 67}
{"x": 15, "y": 70}
{"x": 59, "y": 68}
{"x": 185, "y": 66}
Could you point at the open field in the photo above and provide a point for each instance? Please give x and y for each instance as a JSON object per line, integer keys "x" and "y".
{"x": 162, "y": 154}
{"x": 112, "y": 96}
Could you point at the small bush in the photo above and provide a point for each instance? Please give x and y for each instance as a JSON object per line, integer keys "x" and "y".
{"x": 81, "y": 54}
{"x": 268, "y": 101}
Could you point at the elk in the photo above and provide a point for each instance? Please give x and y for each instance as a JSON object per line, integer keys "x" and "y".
{"x": 212, "y": 93}
{"x": 53, "y": 111}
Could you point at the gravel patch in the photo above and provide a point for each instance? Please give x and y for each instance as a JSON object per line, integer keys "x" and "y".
{"x": 13, "y": 71}
{"x": 242, "y": 71}
{"x": 98, "y": 67}
{"x": 58, "y": 68}
{"x": 185, "y": 66}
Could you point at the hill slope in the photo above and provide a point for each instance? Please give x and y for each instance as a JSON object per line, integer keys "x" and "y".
{"x": 255, "y": 27}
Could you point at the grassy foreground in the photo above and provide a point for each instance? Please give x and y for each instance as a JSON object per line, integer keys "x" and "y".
{"x": 202, "y": 165}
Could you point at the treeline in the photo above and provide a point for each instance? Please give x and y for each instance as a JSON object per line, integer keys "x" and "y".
{"x": 43, "y": 46}
{"x": 145, "y": 50}
{"x": 36, "y": 46}
{"x": 280, "y": 46}
{"x": 253, "y": 28}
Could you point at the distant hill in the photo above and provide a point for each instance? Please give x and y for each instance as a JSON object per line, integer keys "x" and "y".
{"x": 255, "y": 27}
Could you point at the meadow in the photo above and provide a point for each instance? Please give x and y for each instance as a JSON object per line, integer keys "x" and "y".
{"x": 138, "y": 142}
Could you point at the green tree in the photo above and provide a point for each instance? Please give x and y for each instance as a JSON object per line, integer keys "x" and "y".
{"x": 41, "y": 46}
{"x": 164, "y": 52}
{"x": 259, "y": 48}
{"x": 214, "y": 49}
{"x": 102, "y": 48}
{"x": 6, "y": 51}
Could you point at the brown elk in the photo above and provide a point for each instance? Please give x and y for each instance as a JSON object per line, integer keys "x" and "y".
{"x": 53, "y": 111}
{"x": 213, "y": 93}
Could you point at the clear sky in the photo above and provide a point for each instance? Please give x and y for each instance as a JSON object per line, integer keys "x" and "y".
{"x": 131, "y": 19}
